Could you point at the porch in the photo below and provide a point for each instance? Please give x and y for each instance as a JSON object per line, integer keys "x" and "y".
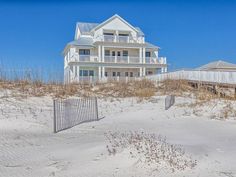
{"x": 95, "y": 74}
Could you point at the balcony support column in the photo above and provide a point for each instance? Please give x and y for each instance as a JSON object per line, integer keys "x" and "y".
{"x": 99, "y": 53}
{"x": 78, "y": 76}
{"x": 103, "y": 52}
{"x": 144, "y": 52}
{"x": 144, "y": 71}
{"x": 140, "y": 72}
{"x": 140, "y": 56}
{"x": 162, "y": 70}
{"x": 103, "y": 72}
{"x": 99, "y": 73}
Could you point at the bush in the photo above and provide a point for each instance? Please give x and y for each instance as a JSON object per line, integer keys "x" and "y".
{"x": 151, "y": 149}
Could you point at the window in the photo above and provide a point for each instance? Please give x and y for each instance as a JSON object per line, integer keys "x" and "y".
{"x": 111, "y": 34}
{"x": 91, "y": 73}
{"x": 118, "y": 74}
{"x": 123, "y": 34}
{"x": 148, "y": 54}
{"x": 113, "y": 53}
{"x": 114, "y": 74}
{"x": 107, "y": 52}
{"x": 126, "y": 74}
{"x": 80, "y": 72}
{"x": 85, "y": 73}
{"x": 118, "y": 53}
{"x": 84, "y": 51}
{"x": 125, "y": 53}
{"x": 106, "y": 74}
{"x": 131, "y": 74}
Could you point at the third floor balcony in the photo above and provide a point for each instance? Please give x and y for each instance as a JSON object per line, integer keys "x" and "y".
{"x": 119, "y": 39}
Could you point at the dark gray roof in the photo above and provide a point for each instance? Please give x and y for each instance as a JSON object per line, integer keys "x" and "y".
{"x": 151, "y": 46}
{"x": 85, "y": 28}
{"x": 82, "y": 41}
{"x": 217, "y": 65}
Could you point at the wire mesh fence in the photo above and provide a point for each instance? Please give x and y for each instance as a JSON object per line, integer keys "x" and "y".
{"x": 71, "y": 112}
{"x": 169, "y": 101}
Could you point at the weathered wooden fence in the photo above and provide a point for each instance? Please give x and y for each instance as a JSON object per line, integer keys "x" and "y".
{"x": 71, "y": 112}
{"x": 169, "y": 101}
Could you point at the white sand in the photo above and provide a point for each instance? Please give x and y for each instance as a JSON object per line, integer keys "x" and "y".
{"x": 29, "y": 148}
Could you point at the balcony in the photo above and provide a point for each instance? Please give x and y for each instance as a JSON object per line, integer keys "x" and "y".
{"x": 151, "y": 60}
{"x": 117, "y": 59}
{"x": 83, "y": 58}
{"x": 121, "y": 59}
{"x": 120, "y": 39}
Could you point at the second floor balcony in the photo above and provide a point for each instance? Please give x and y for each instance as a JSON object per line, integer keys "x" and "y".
{"x": 117, "y": 59}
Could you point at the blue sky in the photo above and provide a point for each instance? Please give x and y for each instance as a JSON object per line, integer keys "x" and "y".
{"x": 190, "y": 33}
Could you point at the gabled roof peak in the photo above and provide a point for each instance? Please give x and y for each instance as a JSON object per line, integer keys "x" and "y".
{"x": 110, "y": 19}
{"x": 86, "y": 28}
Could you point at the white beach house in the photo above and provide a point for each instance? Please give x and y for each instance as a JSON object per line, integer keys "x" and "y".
{"x": 113, "y": 49}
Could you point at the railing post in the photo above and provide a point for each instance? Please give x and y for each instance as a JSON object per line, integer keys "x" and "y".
{"x": 54, "y": 117}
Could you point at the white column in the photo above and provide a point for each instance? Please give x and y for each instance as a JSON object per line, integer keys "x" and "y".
{"x": 141, "y": 72}
{"x": 162, "y": 70}
{"x": 144, "y": 51}
{"x": 71, "y": 73}
{"x": 140, "y": 56}
{"x": 144, "y": 71}
{"x": 99, "y": 73}
{"x": 103, "y": 72}
{"x": 103, "y": 52}
{"x": 78, "y": 74}
{"x": 99, "y": 53}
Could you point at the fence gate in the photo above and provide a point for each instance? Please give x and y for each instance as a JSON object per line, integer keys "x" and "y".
{"x": 169, "y": 101}
{"x": 71, "y": 112}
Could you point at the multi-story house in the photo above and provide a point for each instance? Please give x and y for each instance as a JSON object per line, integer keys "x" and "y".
{"x": 111, "y": 49}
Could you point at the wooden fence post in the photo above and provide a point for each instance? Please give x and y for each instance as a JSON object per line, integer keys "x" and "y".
{"x": 96, "y": 104}
{"x": 54, "y": 117}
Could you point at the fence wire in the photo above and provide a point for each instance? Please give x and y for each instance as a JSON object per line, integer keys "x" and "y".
{"x": 71, "y": 112}
{"x": 169, "y": 101}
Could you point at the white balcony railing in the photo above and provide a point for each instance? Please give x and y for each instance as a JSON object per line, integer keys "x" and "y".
{"x": 109, "y": 38}
{"x": 83, "y": 58}
{"x": 134, "y": 60}
{"x": 117, "y": 59}
{"x": 124, "y": 39}
{"x": 151, "y": 60}
{"x": 109, "y": 59}
{"x": 121, "y": 59}
{"x": 117, "y": 38}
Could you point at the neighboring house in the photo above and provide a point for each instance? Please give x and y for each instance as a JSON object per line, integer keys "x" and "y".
{"x": 111, "y": 49}
{"x": 218, "y": 66}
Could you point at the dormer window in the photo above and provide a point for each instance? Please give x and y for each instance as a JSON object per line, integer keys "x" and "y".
{"x": 123, "y": 37}
{"x": 109, "y": 36}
